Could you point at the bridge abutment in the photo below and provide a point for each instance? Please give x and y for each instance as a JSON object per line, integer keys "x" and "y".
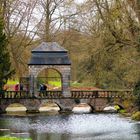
{"x": 66, "y": 105}
{"x": 100, "y": 104}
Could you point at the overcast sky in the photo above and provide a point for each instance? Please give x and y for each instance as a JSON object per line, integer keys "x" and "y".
{"x": 79, "y": 1}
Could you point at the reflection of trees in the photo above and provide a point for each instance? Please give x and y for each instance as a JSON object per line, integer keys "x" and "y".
{"x": 33, "y": 134}
{"x": 137, "y": 129}
{"x": 47, "y": 136}
{"x": 3, "y": 123}
{"x": 59, "y": 136}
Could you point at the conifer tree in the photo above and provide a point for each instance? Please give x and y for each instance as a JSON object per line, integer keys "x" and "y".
{"x": 137, "y": 94}
{"x": 5, "y": 65}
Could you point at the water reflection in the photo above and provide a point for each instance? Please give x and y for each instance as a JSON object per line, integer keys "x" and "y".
{"x": 72, "y": 127}
{"x": 136, "y": 127}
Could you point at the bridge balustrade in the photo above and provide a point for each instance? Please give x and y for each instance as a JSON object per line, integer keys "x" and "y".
{"x": 84, "y": 94}
{"x": 74, "y": 94}
{"x": 14, "y": 94}
{"x": 25, "y": 94}
{"x": 100, "y": 94}
{"x": 50, "y": 94}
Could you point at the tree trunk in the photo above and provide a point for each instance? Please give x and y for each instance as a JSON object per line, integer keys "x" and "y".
{"x": 138, "y": 9}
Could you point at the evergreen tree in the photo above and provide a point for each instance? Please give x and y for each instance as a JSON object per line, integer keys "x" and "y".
{"x": 5, "y": 65}
{"x": 137, "y": 94}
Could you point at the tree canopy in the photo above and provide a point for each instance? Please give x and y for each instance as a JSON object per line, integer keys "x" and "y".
{"x": 102, "y": 37}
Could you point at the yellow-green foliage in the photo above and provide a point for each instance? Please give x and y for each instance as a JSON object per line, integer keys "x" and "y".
{"x": 117, "y": 107}
{"x": 122, "y": 111}
{"x": 14, "y": 138}
{"x": 136, "y": 116}
{"x": 119, "y": 110}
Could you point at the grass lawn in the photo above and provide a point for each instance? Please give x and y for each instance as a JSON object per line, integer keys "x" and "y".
{"x": 76, "y": 84}
{"x": 55, "y": 83}
{"x": 13, "y": 138}
{"x": 12, "y": 82}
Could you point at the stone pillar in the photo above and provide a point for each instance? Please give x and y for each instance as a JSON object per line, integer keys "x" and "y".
{"x": 66, "y": 81}
{"x": 31, "y": 88}
{"x": 33, "y": 75}
{"x": 66, "y": 105}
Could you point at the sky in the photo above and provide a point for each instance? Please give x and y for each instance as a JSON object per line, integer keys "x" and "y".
{"x": 79, "y": 1}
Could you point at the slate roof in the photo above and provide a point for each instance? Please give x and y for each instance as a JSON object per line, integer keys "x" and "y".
{"x": 49, "y": 47}
{"x": 49, "y": 53}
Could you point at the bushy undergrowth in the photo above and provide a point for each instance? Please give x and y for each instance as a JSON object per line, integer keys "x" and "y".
{"x": 136, "y": 116}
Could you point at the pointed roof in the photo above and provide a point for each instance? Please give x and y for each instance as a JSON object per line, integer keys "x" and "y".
{"x": 49, "y": 47}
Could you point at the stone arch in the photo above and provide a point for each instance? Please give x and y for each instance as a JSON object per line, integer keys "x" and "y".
{"x": 47, "y": 78}
{"x": 5, "y": 104}
{"x": 30, "y": 104}
{"x": 24, "y": 108}
{"x": 113, "y": 104}
{"x": 47, "y": 102}
{"x": 119, "y": 104}
{"x": 50, "y": 68}
{"x": 34, "y": 70}
{"x": 89, "y": 102}
{"x": 82, "y": 106}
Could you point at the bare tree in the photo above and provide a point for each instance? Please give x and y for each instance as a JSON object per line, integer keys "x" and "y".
{"x": 57, "y": 14}
{"x": 20, "y": 20}
{"x": 112, "y": 27}
{"x": 135, "y": 5}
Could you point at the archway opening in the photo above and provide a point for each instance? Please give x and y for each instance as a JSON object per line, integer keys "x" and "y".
{"x": 119, "y": 108}
{"x": 50, "y": 78}
{"x": 114, "y": 108}
{"x": 82, "y": 108}
{"x": 16, "y": 107}
{"x": 49, "y": 107}
{"x": 110, "y": 109}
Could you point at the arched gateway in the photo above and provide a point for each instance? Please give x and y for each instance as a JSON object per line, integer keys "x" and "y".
{"x": 50, "y": 55}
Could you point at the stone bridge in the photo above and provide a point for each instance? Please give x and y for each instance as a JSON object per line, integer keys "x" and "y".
{"x": 97, "y": 99}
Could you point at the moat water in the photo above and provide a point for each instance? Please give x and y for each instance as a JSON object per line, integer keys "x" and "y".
{"x": 54, "y": 126}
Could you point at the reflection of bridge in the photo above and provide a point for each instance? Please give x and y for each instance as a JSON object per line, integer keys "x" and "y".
{"x": 97, "y": 99}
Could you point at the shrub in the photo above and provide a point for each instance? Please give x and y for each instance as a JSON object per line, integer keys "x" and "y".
{"x": 136, "y": 116}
